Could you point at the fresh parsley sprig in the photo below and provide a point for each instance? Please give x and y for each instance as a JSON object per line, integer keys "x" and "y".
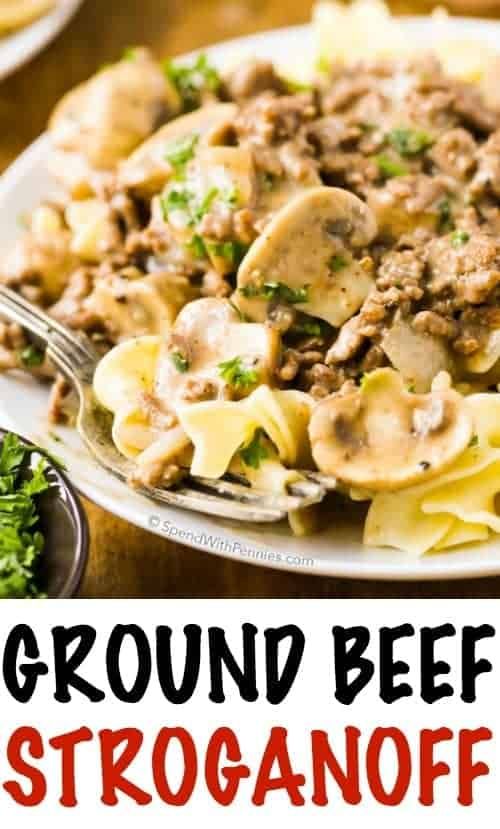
{"x": 409, "y": 142}
{"x": 255, "y": 452}
{"x": 276, "y": 291}
{"x": 192, "y": 80}
{"x": 238, "y": 375}
{"x": 21, "y": 542}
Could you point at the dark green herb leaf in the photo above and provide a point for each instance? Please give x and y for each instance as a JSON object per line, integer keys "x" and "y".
{"x": 12, "y": 454}
{"x": 278, "y": 291}
{"x": 197, "y": 247}
{"x": 204, "y": 206}
{"x": 459, "y": 238}
{"x": 310, "y": 326}
{"x": 176, "y": 199}
{"x": 32, "y": 357}
{"x": 237, "y": 375}
{"x": 192, "y": 80}
{"x": 21, "y": 544}
{"x": 180, "y": 152}
{"x": 445, "y": 223}
{"x": 408, "y": 142}
{"x": 254, "y": 452}
{"x": 389, "y": 168}
{"x": 232, "y": 252}
{"x": 337, "y": 262}
{"x": 180, "y": 361}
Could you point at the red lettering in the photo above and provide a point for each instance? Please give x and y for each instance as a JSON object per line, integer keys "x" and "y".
{"x": 67, "y": 743}
{"x": 190, "y": 766}
{"x": 277, "y": 751}
{"x": 429, "y": 770}
{"x": 403, "y": 778}
{"x": 113, "y": 770}
{"x": 225, "y": 739}
{"x": 323, "y": 757}
{"x": 468, "y": 770}
{"x": 32, "y": 739}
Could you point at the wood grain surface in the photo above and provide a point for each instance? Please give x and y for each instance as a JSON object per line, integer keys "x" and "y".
{"x": 127, "y": 562}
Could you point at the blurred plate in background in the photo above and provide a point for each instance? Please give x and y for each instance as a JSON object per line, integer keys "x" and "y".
{"x": 18, "y": 48}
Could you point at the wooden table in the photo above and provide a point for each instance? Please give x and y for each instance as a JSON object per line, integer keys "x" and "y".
{"x": 125, "y": 561}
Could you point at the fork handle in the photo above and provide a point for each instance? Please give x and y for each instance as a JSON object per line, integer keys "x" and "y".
{"x": 72, "y": 353}
{"x": 35, "y": 324}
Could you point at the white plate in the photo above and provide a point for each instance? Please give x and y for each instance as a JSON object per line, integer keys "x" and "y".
{"x": 21, "y": 46}
{"x": 338, "y": 552}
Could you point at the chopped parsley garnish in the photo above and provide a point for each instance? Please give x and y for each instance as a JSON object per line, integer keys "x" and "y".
{"x": 180, "y": 362}
{"x": 180, "y": 152}
{"x": 204, "y": 206}
{"x": 237, "y": 375}
{"x": 176, "y": 199}
{"x": 278, "y": 291}
{"x": 459, "y": 238}
{"x": 389, "y": 168}
{"x": 31, "y": 357}
{"x": 197, "y": 247}
{"x": 337, "y": 263}
{"x": 254, "y": 452}
{"x": 191, "y": 81}
{"x": 231, "y": 197}
{"x": 130, "y": 53}
{"x": 232, "y": 252}
{"x": 408, "y": 142}
{"x": 21, "y": 542}
{"x": 474, "y": 441}
{"x": 181, "y": 198}
{"x": 310, "y": 326}
{"x": 445, "y": 222}
{"x": 242, "y": 317}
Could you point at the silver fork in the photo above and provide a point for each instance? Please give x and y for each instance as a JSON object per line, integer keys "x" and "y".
{"x": 74, "y": 355}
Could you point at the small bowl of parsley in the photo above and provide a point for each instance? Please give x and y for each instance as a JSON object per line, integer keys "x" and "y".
{"x": 43, "y": 529}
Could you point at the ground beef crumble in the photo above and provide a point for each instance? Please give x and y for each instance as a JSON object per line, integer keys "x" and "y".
{"x": 436, "y": 258}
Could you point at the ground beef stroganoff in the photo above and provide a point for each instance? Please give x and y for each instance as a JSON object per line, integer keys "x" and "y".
{"x": 339, "y": 240}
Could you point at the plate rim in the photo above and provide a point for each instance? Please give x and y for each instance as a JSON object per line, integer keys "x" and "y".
{"x": 409, "y": 569}
{"x": 62, "y": 17}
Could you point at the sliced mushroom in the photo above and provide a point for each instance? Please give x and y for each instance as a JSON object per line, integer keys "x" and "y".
{"x": 206, "y": 334}
{"x": 147, "y": 170}
{"x": 380, "y": 437}
{"x": 305, "y": 256}
{"x": 143, "y": 305}
{"x": 418, "y": 357}
{"x": 104, "y": 119}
